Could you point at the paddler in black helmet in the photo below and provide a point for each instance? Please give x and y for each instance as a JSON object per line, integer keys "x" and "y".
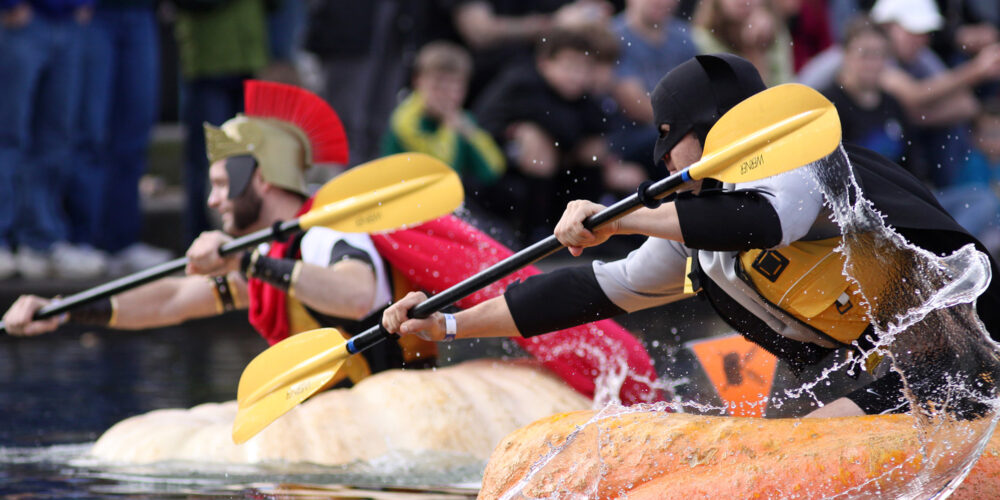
{"x": 761, "y": 252}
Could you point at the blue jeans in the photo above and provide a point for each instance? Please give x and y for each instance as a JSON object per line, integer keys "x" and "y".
{"x": 40, "y": 64}
{"x": 204, "y": 100}
{"x": 119, "y": 109}
{"x": 285, "y": 26}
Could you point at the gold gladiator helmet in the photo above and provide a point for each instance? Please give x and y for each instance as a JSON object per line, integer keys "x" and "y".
{"x": 285, "y": 129}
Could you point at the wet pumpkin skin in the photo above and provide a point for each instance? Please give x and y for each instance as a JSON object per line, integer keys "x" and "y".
{"x": 649, "y": 454}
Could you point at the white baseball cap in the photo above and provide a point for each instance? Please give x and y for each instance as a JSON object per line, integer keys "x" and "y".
{"x": 915, "y": 16}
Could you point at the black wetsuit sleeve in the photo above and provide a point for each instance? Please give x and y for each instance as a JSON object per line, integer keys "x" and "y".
{"x": 882, "y": 395}
{"x": 728, "y": 221}
{"x": 558, "y": 299}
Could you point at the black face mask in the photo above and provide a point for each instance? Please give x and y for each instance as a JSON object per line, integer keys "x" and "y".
{"x": 695, "y": 94}
{"x": 240, "y": 170}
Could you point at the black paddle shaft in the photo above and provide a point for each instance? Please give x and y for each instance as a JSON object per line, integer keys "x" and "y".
{"x": 277, "y": 231}
{"x": 528, "y": 256}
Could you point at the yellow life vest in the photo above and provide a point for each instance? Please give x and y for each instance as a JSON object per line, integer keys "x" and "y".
{"x": 299, "y": 320}
{"x": 806, "y": 280}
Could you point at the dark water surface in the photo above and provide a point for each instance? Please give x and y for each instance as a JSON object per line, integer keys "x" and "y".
{"x": 71, "y": 385}
{"x": 61, "y": 391}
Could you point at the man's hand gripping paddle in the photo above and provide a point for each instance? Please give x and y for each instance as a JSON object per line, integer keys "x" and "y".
{"x": 777, "y": 130}
{"x": 388, "y": 193}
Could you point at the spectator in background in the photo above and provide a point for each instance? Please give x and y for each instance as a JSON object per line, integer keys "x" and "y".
{"x": 40, "y": 72}
{"x": 431, "y": 119}
{"x": 843, "y": 11}
{"x": 750, "y": 29}
{"x": 286, "y": 22}
{"x": 931, "y": 93}
{"x": 501, "y": 33}
{"x": 973, "y": 198}
{"x": 869, "y": 116}
{"x": 969, "y": 26}
{"x": 809, "y": 25}
{"x": 621, "y": 175}
{"x": 119, "y": 108}
{"x": 550, "y": 130}
{"x": 938, "y": 100}
{"x": 922, "y": 82}
{"x": 221, "y": 43}
{"x": 365, "y": 49}
{"x": 651, "y": 43}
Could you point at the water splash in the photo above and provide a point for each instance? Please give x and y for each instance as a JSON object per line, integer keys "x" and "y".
{"x": 593, "y": 471}
{"x": 925, "y": 329}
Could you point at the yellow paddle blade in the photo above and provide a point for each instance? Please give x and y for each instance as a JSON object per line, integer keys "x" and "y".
{"x": 803, "y": 126}
{"x": 265, "y": 372}
{"x": 286, "y": 374}
{"x": 254, "y": 417}
{"x": 392, "y": 192}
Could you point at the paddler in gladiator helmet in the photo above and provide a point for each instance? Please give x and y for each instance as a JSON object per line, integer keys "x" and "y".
{"x": 745, "y": 247}
{"x": 319, "y": 277}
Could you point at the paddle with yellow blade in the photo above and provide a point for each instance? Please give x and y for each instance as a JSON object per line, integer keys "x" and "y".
{"x": 388, "y": 193}
{"x": 775, "y": 131}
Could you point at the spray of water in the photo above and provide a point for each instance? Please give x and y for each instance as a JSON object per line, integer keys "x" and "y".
{"x": 925, "y": 329}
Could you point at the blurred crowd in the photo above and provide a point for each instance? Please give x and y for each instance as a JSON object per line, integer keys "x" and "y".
{"x": 533, "y": 102}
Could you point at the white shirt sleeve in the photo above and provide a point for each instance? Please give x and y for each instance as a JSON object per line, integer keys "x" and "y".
{"x": 797, "y": 199}
{"x": 650, "y": 275}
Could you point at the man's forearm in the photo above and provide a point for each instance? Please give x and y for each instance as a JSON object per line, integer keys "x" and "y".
{"x": 482, "y": 28}
{"x": 165, "y": 302}
{"x": 661, "y": 222}
{"x": 490, "y": 318}
{"x": 634, "y": 100}
{"x": 953, "y": 109}
{"x": 345, "y": 290}
{"x": 916, "y": 94}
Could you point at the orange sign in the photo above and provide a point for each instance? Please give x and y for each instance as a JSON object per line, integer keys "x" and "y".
{"x": 741, "y": 371}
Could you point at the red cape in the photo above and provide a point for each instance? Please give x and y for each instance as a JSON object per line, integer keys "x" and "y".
{"x": 441, "y": 253}
{"x": 268, "y": 308}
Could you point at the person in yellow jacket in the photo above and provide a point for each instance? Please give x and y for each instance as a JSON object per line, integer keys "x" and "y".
{"x": 431, "y": 119}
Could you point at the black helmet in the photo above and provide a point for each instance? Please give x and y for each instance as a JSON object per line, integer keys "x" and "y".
{"x": 697, "y": 92}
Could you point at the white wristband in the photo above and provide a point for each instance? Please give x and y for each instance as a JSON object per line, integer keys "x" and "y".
{"x": 450, "y": 327}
